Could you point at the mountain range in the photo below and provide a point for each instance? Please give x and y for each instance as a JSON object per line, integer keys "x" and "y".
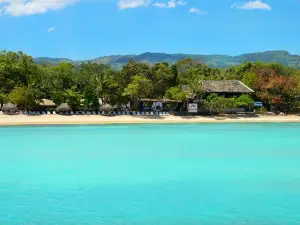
{"x": 217, "y": 61}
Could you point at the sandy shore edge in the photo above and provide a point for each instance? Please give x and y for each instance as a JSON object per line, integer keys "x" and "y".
{"x": 21, "y": 120}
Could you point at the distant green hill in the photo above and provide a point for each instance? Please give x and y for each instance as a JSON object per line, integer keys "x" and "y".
{"x": 218, "y": 61}
{"x": 48, "y": 60}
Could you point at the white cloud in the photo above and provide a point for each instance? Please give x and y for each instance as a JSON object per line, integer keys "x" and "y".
{"x": 197, "y": 11}
{"x": 170, "y": 4}
{"x": 51, "y": 29}
{"x": 160, "y": 5}
{"x": 126, "y": 4}
{"x": 180, "y": 2}
{"x": 251, "y": 5}
{"x": 31, "y": 7}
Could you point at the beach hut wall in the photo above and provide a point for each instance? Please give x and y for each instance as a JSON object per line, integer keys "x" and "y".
{"x": 64, "y": 107}
{"x": 9, "y": 107}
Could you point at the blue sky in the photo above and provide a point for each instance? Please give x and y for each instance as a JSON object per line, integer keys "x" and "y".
{"x": 85, "y": 29}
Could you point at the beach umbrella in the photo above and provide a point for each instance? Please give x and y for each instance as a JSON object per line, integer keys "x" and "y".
{"x": 9, "y": 107}
{"x": 106, "y": 108}
{"x": 64, "y": 107}
{"x": 46, "y": 103}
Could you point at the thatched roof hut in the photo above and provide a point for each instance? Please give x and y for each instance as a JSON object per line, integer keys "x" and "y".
{"x": 64, "y": 107}
{"x": 226, "y": 86}
{"x": 47, "y": 103}
{"x": 106, "y": 108}
{"x": 9, "y": 107}
{"x": 223, "y": 86}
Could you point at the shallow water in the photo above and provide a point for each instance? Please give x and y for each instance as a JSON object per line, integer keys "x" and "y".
{"x": 150, "y": 174}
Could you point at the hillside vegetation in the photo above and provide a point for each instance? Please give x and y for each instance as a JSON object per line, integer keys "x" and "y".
{"x": 217, "y": 61}
{"x": 26, "y": 83}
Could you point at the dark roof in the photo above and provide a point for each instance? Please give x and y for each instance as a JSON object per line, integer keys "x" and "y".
{"x": 223, "y": 86}
{"x": 158, "y": 100}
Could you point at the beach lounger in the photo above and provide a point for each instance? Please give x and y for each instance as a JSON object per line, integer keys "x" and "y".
{"x": 143, "y": 113}
{"x": 128, "y": 113}
{"x": 1, "y": 113}
{"x": 25, "y": 113}
{"x": 119, "y": 113}
{"x": 160, "y": 114}
{"x": 77, "y": 113}
{"x": 134, "y": 113}
{"x": 72, "y": 113}
{"x": 103, "y": 113}
{"x": 167, "y": 114}
{"x": 94, "y": 113}
{"x": 151, "y": 114}
{"x": 48, "y": 113}
{"x": 88, "y": 113}
{"x": 164, "y": 114}
{"x": 99, "y": 113}
{"x": 156, "y": 113}
{"x": 138, "y": 113}
{"x": 44, "y": 113}
{"x": 114, "y": 113}
{"x": 147, "y": 113}
{"x": 83, "y": 112}
{"x": 54, "y": 113}
{"x": 123, "y": 113}
{"x": 38, "y": 113}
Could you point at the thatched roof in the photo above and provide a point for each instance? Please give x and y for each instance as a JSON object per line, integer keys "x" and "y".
{"x": 9, "y": 107}
{"x": 64, "y": 107}
{"x": 47, "y": 103}
{"x": 106, "y": 108}
{"x": 158, "y": 100}
{"x": 223, "y": 86}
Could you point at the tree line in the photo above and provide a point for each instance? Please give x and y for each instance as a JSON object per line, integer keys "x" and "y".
{"x": 25, "y": 83}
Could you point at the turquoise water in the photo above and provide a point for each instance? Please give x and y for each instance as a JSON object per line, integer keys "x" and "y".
{"x": 150, "y": 174}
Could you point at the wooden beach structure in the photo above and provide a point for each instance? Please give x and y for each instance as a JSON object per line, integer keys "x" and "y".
{"x": 226, "y": 88}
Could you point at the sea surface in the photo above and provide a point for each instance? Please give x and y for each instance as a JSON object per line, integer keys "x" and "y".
{"x": 206, "y": 174}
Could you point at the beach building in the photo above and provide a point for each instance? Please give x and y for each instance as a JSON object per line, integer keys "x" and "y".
{"x": 226, "y": 88}
{"x": 147, "y": 104}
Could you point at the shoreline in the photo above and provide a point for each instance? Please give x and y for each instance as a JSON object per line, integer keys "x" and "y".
{"x": 22, "y": 120}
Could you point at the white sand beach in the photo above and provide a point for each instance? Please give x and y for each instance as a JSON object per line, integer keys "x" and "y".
{"x": 17, "y": 120}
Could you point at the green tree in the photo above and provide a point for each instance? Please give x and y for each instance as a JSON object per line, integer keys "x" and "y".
{"x": 73, "y": 98}
{"x": 3, "y": 99}
{"x": 249, "y": 79}
{"x": 132, "y": 69}
{"x": 244, "y": 100}
{"x": 163, "y": 79}
{"x": 214, "y": 103}
{"x": 175, "y": 93}
{"x": 140, "y": 87}
{"x": 23, "y": 96}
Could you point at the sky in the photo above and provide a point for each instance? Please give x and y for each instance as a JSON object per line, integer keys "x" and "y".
{"x": 86, "y": 29}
